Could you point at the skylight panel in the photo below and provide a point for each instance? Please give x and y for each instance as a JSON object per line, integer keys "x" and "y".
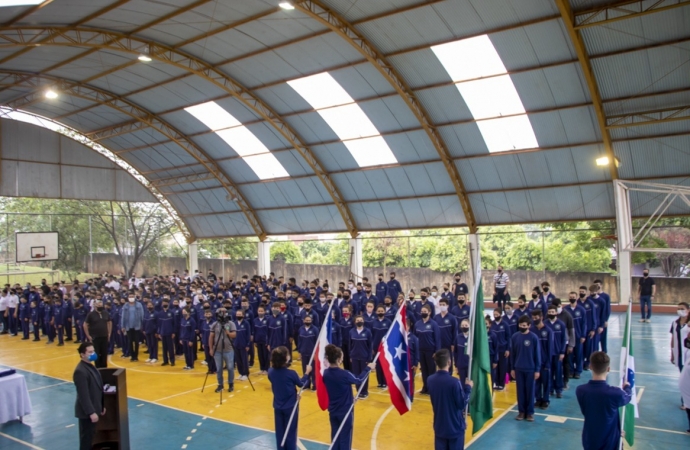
{"x": 346, "y": 118}
{"x": 508, "y": 133}
{"x": 491, "y": 97}
{"x": 243, "y": 141}
{"x": 489, "y": 92}
{"x": 372, "y": 151}
{"x": 20, "y": 2}
{"x": 321, "y": 91}
{"x": 470, "y": 58}
{"x": 240, "y": 138}
{"x": 349, "y": 122}
{"x": 266, "y": 166}
{"x": 213, "y": 116}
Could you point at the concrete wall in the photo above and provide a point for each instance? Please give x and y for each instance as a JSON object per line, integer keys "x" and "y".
{"x": 670, "y": 290}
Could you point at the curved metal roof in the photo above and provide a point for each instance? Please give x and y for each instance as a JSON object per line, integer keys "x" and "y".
{"x": 593, "y": 79}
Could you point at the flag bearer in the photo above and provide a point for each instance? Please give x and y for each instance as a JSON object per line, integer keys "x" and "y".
{"x": 308, "y": 334}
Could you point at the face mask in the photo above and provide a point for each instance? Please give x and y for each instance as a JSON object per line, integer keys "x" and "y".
{"x": 300, "y": 303}
{"x": 552, "y": 316}
{"x": 99, "y": 308}
{"x": 380, "y": 314}
{"x": 645, "y": 275}
{"x": 546, "y": 289}
{"x": 497, "y": 318}
{"x": 276, "y": 312}
{"x": 239, "y": 317}
{"x": 360, "y": 324}
{"x": 461, "y": 301}
{"x": 307, "y": 323}
{"x": 509, "y": 312}
{"x": 465, "y": 329}
{"x": 346, "y": 297}
{"x": 500, "y": 270}
{"x": 534, "y": 296}
{"x": 368, "y": 291}
{"x": 524, "y": 330}
{"x": 207, "y": 307}
{"x": 425, "y": 315}
{"x": 423, "y": 296}
{"x": 433, "y": 293}
{"x": 559, "y": 310}
{"x": 457, "y": 279}
{"x": 131, "y": 300}
{"x": 150, "y": 309}
{"x": 387, "y": 303}
{"x": 380, "y": 279}
{"x": 536, "y": 321}
{"x": 682, "y": 313}
{"x": 392, "y": 277}
{"x": 443, "y": 308}
{"x": 346, "y": 315}
{"x": 573, "y": 300}
{"x": 93, "y": 357}
{"x": 583, "y": 295}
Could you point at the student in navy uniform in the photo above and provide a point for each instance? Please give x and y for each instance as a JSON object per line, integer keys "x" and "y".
{"x": 379, "y": 329}
{"x": 308, "y": 334}
{"x": 543, "y": 383}
{"x": 459, "y": 287}
{"x": 69, "y": 312}
{"x": 80, "y": 313}
{"x": 261, "y": 339}
{"x": 525, "y": 358}
{"x": 462, "y": 309}
{"x": 600, "y": 403}
{"x": 165, "y": 320}
{"x": 187, "y": 336}
{"x": 449, "y": 398}
{"x": 59, "y": 320}
{"x": 600, "y": 310}
{"x": 502, "y": 330}
{"x": 580, "y": 327}
{"x": 591, "y": 319}
{"x": 461, "y": 356}
{"x": 606, "y": 314}
{"x": 448, "y": 325}
{"x": 493, "y": 348}
{"x": 150, "y": 326}
{"x": 205, "y": 333}
{"x": 35, "y": 320}
{"x": 346, "y": 323}
{"x": 336, "y": 333}
{"x": 381, "y": 289}
{"x": 413, "y": 346}
{"x": 536, "y": 303}
{"x": 241, "y": 344}
{"x": 24, "y": 317}
{"x": 361, "y": 351}
{"x": 284, "y": 381}
{"x": 429, "y": 336}
{"x": 564, "y": 316}
{"x": 560, "y": 339}
{"x": 369, "y": 315}
{"x": 338, "y": 384}
{"x": 277, "y": 328}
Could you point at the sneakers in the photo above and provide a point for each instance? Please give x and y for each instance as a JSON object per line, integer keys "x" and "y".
{"x": 204, "y": 363}
{"x": 219, "y": 389}
{"x": 154, "y": 360}
{"x": 243, "y": 378}
{"x": 559, "y": 395}
{"x": 165, "y": 364}
{"x": 530, "y": 418}
{"x": 648, "y": 320}
{"x": 231, "y": 388}
{"x": 544, "y": 405}
{"x": 61, "y": 344}
{"x": 641, "y": 320}
{"x": 186, "y": 368}
{"x": 520, "y": 416}
{"x": 148, "y": 360}
{"x": 576, "y": 376}
{"x": 363, "y": 396}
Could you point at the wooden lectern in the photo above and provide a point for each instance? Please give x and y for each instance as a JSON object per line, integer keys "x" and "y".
{"x": 112, "y": 430}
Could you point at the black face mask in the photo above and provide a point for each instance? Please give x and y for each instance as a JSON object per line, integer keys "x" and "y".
{"x": 465, "y": 329}
{"x": 524, "y": 330}
{"x": 346, "y": 297}
{"x": 536, "y": 321}
{"x": 207, "y": 307}
{"x": 307, "y": 324}
{"x": 99, "y": 308}
{"x": 546, "y": 289}
{"x": 425, "y": 315}
{"x": 573, "y": 300}
{"x": 552, "y": 316}
{"x": 461, "y": 301}
{"x": 645, "y": 275}
{"x": 360, "y": 324}
{"x": 534, "y": 296}
{"x": 300, "y": 303}
{"x": 583, "y": 295}
{"x": 380, "y": 314}
{"x": 387, "y": 303}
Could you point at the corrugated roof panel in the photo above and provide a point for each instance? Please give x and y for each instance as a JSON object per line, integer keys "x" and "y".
{"x": 482, "y": 171}
{"x": 439, "y": 177}
{"x": 463, "y": 139}
{"x": 302, "y": 220}
{"x": 534, "y": 45}
{"x": 131, "y": 15}
{"x": 390, "y": 114}
{"x": 628, "y": 74}
{"x": 234, "y": 224}
{"x": 334, "y": 157}
{"x": 556, "y": 86}
{"x": 647, "y": 103}
{"x": 657, "y": 129}
{"x": 444, "y": 104}
{"x": 360, "y": 185}
{"x": 312, "y": 128}
{"x": 420, "y": 68}
{"x": 662, "y": 26}
{"x": 214, "y": 146}
{"x": 654, "y": 157}
{"x": 495, "y": 208}
{"x": 356, "y": 10}
{"x": 566, "y": 126}
{"x": 203, "y": 202}
{"x": 280, "y": 27}
{"x": 177, "y": 94}
{"x": 238, "y": 170}
{"x": 293, "y": 162}
{"x": 411, "y": 146}
{"x": 57, "y": 13}
{"x": 38, "y": 58}
{"x": 293, "y": 61}
{"x": 400, "y": 179}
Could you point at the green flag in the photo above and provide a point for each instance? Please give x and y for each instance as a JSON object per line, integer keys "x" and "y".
{"x": 481, "y": 402}
{"x": 627, "y": 372}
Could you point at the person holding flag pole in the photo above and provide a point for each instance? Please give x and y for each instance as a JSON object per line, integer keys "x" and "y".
{"x": 393, "y": 367}
{"x": 323, "y": 340}
{"x": 627, "y": 375}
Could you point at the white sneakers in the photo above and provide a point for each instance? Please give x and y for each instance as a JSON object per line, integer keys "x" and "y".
{"x": 148, "y": 360}
{"x": 204, "y": 363}
{"x": 153, "y": 361}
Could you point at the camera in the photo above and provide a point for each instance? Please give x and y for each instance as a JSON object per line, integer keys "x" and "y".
{"x": 221, "y": 317}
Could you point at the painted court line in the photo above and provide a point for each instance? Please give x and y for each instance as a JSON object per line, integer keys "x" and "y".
{"x": 21, "y": 442}
{"x": 485, "y": 429}
{"x": 50, "y": 386}
{"x": 177, "y": 395}
{"x": 375, "y": 433}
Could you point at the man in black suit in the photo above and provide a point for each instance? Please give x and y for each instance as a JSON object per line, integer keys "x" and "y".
{"x": 89, "y": 404}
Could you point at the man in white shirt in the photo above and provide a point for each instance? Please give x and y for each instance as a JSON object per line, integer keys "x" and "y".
{"x": 113, "y": 284}
{"x": 12, "y": 303}
{"x": 4, "y": 301}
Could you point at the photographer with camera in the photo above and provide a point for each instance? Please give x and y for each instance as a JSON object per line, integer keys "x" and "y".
{"x": 223, "y": 332}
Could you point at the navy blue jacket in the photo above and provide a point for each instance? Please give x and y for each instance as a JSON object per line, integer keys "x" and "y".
{"x": 429, "y": 336}
{"x": 283, "y": 383}
{"x": 187, "y": 329}
{"x": 461, "y": 312}
{"x": 166, "y": 323}
{"x": 413, "y": 345}
{"x": 560, "y": 336}
{"x": 525, "y": 354}
{"x": 339, "y": 387}
{"x": 493, "y": 347}
{"x": 579, "y": 319}
{"x": 277, "y": 331}
{"x": 244, "y": 333}
{"x": 394, "y": 289}
{"x": 378, "y": 330}
{"x": 591, "y": 315}
{"x": 503, "y": 335}
{"x": 448, "y": 326}
{"x": 361, "y": 344}
{"x": 307, "y": 340}
{"x": 599, "y": 403}
{"x": 545, "y": 336}
{"x": 448, "y": 400}
{"x": 261, "y": 330}
{"x": 462, "y": 359}
{"x": 150, "y": 325}
{"x": 381, "y": 291}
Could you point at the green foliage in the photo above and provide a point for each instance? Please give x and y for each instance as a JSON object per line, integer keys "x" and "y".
{"x": 524, "y": 255}
{"x": 286, "y": 251}
{"x": 232, "y": 249}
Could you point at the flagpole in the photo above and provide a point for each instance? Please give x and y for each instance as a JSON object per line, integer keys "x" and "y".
{"x": 474, "y": 262}
{"x": 366, "y": 380}
{"x": 624, "y": 376}
{"x": 301, "y": 389}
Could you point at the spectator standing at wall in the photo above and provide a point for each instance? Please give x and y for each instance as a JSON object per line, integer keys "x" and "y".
{"x": 646, "y": 289}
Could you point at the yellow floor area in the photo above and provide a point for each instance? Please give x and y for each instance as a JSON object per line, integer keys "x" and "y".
{"x": 377, "y": 424}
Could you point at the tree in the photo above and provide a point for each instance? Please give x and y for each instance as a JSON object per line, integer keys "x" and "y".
{"x": 525, "y": 255}
{"x": 133, "y": 227}
{"x": 286, "y": 251}
{"x": 384, "y": 249}
{"x": 674, "y": 264}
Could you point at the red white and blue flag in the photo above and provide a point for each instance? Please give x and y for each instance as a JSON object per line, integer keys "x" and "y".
{"x": 320, "y": 361}
{"x": 394, "y": 355}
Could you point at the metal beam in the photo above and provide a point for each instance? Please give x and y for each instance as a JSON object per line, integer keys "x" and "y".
{"x": 116, "y": 130}
{"x": 103, "y": 39}
{"x": 651, "y": 117}
{"x": 183, "y": 179}
{"x": 345, "y": 30}
{"x": 623, "y": 10}
{"x": 27, "y": 12}
{"x": 124, "y": 106}
{"x": 578, "y": 43}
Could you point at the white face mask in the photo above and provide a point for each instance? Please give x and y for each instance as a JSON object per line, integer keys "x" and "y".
{"x": 434, "y": 293}
{"x": 443, "y": 308}
{"x": 682, "y": 313}
{"x": 559, "y": 310}
{"x": 131, "y": 300}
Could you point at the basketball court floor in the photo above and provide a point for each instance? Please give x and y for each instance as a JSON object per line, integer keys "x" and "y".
{"x": 168, "y": 411}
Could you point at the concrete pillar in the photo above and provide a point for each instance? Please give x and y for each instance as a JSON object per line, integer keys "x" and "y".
{"x": 264, "y": 259}
{"x": 475, "y": 270}
{"x": 193, "y": 257}
{"x": 625, "y": 237}
{"x": 356, "y": 265}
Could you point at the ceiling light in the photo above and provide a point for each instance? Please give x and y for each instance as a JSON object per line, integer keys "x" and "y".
{"x": 603, "y": 161}
{"x": 144, "y": 58}
{"x": 51, "y": 94}
{"x": 286, "y": 5}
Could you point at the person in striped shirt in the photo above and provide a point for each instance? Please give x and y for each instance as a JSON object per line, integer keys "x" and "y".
{"x": 501, "y": 281}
